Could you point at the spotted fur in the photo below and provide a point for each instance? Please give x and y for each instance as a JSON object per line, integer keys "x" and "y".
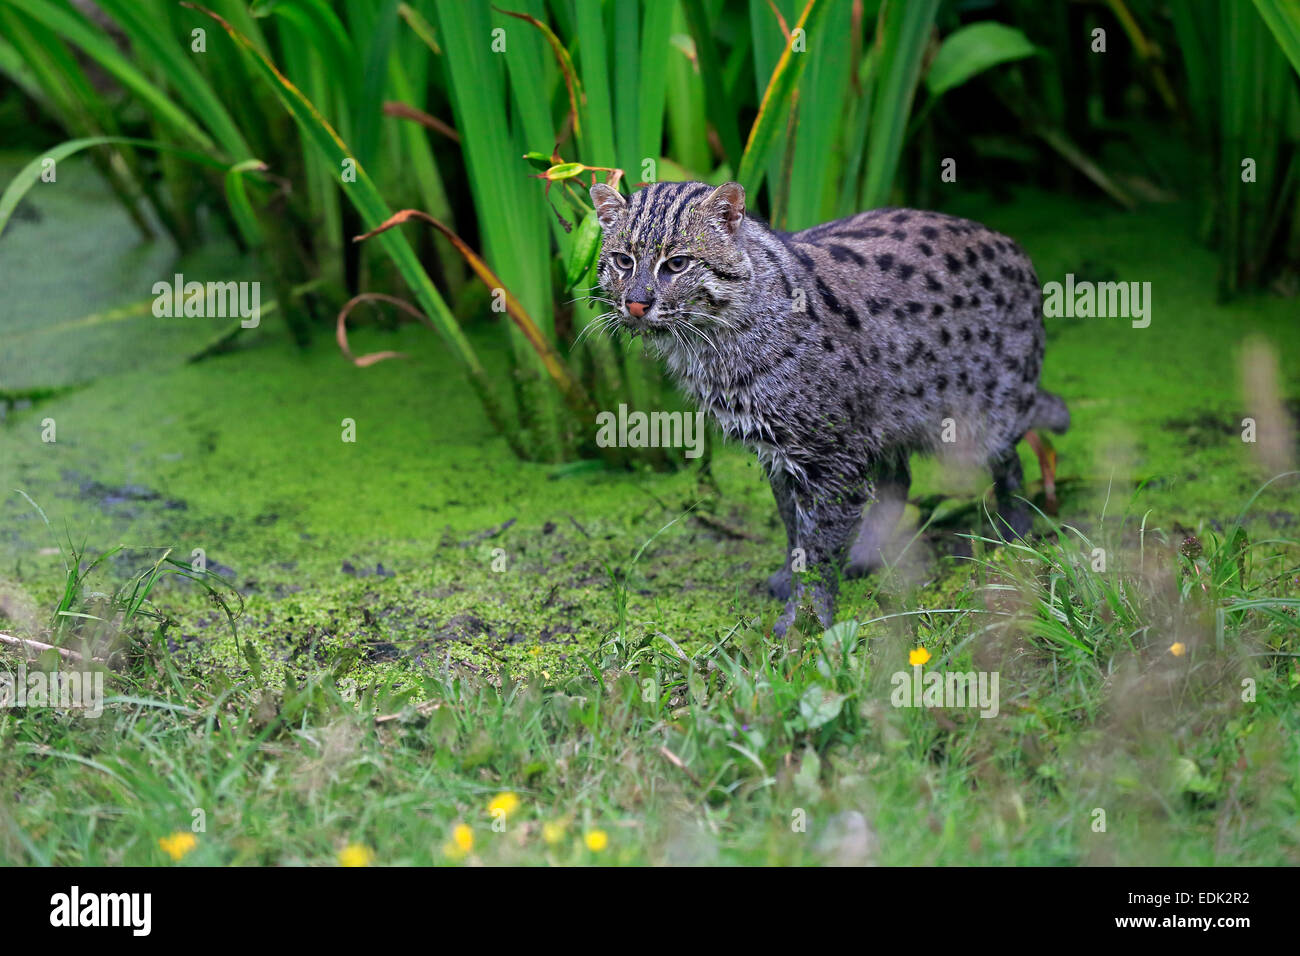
{"x": 836, "y": 352}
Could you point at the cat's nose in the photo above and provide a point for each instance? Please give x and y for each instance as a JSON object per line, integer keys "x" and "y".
{"x": 638, "y": 309}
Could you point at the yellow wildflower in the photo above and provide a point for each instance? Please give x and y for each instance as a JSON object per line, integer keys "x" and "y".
{"x": 503, "y": 803}
{"x": 1178, "y": 649}
{"x": 918, "y": 656}
{"x": 461, "y": 842}
{"x": 596, "y": 840}
{"x": 356, "y": 854}
{"x": 178, "y": 844}
{"x": 553, "y": 833}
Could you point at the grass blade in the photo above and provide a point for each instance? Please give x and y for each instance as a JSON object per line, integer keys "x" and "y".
{"x": 31, "y": 173}
{"x": 102, "y": 51}
{"x": 1283, "y": 19}
{"x": 776, "y": 101}
{"x": 716, "y": 102}
{"x": 901, "y": 39}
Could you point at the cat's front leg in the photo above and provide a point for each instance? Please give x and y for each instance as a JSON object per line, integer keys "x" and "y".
{"x": 824, "y": 521}
{"x": 780, "y": 584}
{"x": 819, "y": 596}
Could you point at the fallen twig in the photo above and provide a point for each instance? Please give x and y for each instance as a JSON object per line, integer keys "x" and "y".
{"x": 680, "y": 764}
{"x": 41, "y": 647}
{"x": 494, "y": 532}
{"x": 406, "y": 111}
{"x": 423, "y": 709}
{"x": 717, "y": 524}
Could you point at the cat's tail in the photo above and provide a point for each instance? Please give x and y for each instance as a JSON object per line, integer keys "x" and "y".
{"x": 1049, "y": 412}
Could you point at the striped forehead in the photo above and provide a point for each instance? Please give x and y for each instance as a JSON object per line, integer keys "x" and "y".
{"x": 656, "y": 212}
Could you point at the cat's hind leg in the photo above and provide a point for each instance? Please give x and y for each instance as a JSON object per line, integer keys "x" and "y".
{"x": 1047, "y": 466}
{"x": 1013, "y": 519}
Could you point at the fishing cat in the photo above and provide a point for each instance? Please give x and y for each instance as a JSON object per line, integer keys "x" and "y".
{"x": 835, "y": 353}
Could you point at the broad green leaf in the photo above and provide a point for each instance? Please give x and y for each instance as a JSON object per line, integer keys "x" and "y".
{"x": 586, "y": 245}
{"x": 807, "y": 782}
{"x": 656, "y": 28}
{"x": 809, "y": 178}
{"x": 973, "y": 49}
{"x": 839, "y": 637}
{"x": 819, "y": 706}
{"x": 721, "y": 112}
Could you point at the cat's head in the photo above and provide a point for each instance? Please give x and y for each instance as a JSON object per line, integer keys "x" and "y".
{"x": 672, "y": 254}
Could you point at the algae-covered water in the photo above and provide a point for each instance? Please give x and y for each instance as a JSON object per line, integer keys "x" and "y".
{"x": 424, "y": 539}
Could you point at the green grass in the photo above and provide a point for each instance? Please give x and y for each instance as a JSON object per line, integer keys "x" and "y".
{"x": 742, "y": 751}
{"x": 623, "y": 630}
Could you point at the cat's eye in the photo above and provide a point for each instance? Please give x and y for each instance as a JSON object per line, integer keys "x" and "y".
{"x": 624, "y": 261}
{"x": 677, "y": 263}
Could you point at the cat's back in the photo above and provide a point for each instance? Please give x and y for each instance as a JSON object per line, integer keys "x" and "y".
{"x": 940, "y": 313}
{"x": 909, "y": 264}
{"x": 904, "y": 243}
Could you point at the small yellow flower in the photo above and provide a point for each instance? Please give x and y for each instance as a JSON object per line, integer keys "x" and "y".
{"x": 356, "y": 854}
{"x": 596, "y": 840}
{"x": 1178, "y": 649}
{"x": 178, "y": 844}
{"x": 461, "y": 842}
{"x": 918, "y": 656}
{"x": 553, "y": 833}
{"x": 503, "y": 803}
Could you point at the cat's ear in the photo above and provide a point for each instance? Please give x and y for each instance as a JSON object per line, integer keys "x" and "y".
{"x": 726, "y": 205}
{"x": 609, "y": 204}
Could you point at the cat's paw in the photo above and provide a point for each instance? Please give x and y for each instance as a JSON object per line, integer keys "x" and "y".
{"x": 780, "y": 584}
{"x": 786, "y": 619}
{"x": 1014, "y": 523}
{"x": 814, "y": 599}
{"x": 857, "y": 567}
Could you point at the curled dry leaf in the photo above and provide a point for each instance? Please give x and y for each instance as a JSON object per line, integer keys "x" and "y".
{"x": 341, "y": 332}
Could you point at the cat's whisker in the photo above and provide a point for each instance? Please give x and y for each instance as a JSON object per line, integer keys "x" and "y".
{"x": 601, "y": 328}
{"x": 703, "y": 335}
{"x": 588, "y": 299}
{"x": 680, "y": 313}
{"x": 600, "y": 323}
{"x": 677, "y": 337}
{"x": 716, "y": 319}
